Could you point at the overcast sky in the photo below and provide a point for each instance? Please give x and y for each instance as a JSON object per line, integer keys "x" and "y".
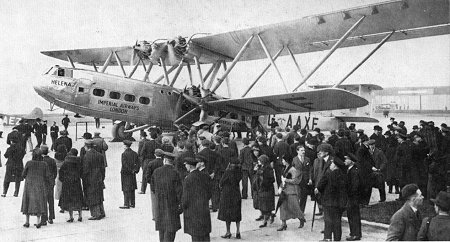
{"x": 28, "y": 27}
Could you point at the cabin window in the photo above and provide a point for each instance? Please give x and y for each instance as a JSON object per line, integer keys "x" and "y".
{"x": 170, "y": 93}
{"x": 144, "y": 100}
{"x": 80, "y": 89}
{"x": 114, "y": 95}
{"x": 233, "y": 116}
{"x": 162, "y": 91}
{"x": 99, "y": 92}
{"x": 129, "y": 98}
{"x": 222, "y": 113}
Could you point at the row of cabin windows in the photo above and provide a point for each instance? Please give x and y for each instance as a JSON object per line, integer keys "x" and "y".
{"x": 116, "y": 95}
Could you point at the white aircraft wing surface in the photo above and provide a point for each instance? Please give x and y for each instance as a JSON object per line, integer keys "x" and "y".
{"x": 305, "y": 101}
{"x": 410, "y": 19}
{"x": 357, "y": 119}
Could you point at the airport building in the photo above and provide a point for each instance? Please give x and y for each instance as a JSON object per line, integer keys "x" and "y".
{"x": 418, "y": 100}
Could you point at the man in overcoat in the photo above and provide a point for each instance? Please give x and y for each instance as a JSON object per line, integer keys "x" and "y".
{"x": 365, "y": 166}
{"x": 147, "y": 154}
{"x": 37, "y": 129}
{"x": 303, "y": 166}
{"x": 151, "y": 167}
{"x": 168, "y": 189}
{"x": 320, "y": 166}
{"x": 405, "y": 223}
{"x": 14, "y": 166}
{"x": 282, "y": 151}
{"x": 130, "y": 166}
{"x": 379, "y": 169}
{"x": 353, "y": 191}
{"x": 195, "y": 202}
{"x": 63, "y": 140}
{"x": 246, "y": 160}
{"x": 93, "y": 177}
{"x": 51, "y": 163}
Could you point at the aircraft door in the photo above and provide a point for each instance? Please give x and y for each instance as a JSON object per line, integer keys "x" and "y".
{"x": 82, "y": 91}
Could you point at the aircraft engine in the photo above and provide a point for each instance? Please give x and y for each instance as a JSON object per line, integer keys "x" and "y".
{"x": 143, "y": 49}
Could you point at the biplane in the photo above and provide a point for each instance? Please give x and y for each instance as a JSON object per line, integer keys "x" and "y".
{"x": 159, "y": 103}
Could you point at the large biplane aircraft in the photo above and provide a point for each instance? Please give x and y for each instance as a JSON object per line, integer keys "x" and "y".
{"x": 147, "y": 102}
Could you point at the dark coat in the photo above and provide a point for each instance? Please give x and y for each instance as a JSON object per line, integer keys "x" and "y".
{"x": 151, "y": 167}
{"x": 304, "y": 169}
{"x": 130, "y": 166}
{"x": 246, "y": 158}
{"x": 439, "y": 229}
{"x": 93, "y": 176}
{"x": 227, "y": 156}
{"x": 211, "y": 159}
{"x": 380, "y": 162}
{"x": 380, "y": 141}
{"x": 54, "y": 130}
{"x": 333, "y": 187}
{"x": 343, "y": 146}
{"x": 148, "y": 149}
{"x": 51, "y": 163}
{"x": 14, "y": 164}
{"x": 281, "y": 151}
{"x": 195, "y": 202}
{"x": 179, "y": 163}
{"x": 319, "y": 168}
{"x": 64, "y": 140}
{"x": 168, "y": 191}
{"x": 391, "y": 166}
{"x": 230, "y": 196}
{"x": 365, "y": 165}
{"x": 404, "y": 225}
{"x": 353, "y": 186}
{"x": 404, "y": 163}
{"x": 37, "y": 177}
{"x": 70, "y": 176}
{"x": 266, "y": 191}
{"x": 267, "y": 150}
{"x": 14, "y": 135}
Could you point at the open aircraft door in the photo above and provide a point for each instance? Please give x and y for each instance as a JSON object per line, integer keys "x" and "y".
{"x": 82, "y": 91}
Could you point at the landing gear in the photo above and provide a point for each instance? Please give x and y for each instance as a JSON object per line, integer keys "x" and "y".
{"x": 118, "y": 133}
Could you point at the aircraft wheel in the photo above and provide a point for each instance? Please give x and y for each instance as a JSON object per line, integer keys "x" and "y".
{"x": 118, "y": 133}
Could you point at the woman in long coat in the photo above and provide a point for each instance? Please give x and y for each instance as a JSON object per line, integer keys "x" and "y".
{"x": 256, "y": 154}
{"x": 14, "y": 166}
{"x": 230, "y": 202}
{"x": 60, "y": 155}
{"x": 37, "y": 178}
{"x": 266, "y": 192}
{"x": 290, "y": 208}
{"x": 71, "y": 193}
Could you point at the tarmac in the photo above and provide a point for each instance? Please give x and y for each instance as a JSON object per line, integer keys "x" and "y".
{"x": 137, "y": 225}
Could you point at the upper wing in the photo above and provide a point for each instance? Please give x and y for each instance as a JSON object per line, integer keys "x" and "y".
{"x": 412, "y": 18}
{"x": 305, "y": 101}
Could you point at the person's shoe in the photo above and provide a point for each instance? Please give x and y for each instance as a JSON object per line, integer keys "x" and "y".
{"x": 272, "y": 218}
{"x": 101, "y": 216}
{"x": 125, "y": 207}
{"x": 43, "y": 223}
{"x": 382, "y": 200}
{"x": 353, "y": 238}
{"x": 93, "y": 218}
{"x": 37, "y": 225}
{"x": 50, "y": 221}
{"x": 226, "y": 236}
{"x": 302, "y": 223}
{"x": 132, "y": 206}
{"x": 238, "y": 236}
{"x": 70, "y": 220}
{"x": 319, "y": 214}
{"x": 26, "y": 225}
{"x": 61, "y": 211}
{"x": 283, "y": 227}
{"x": 80, "y": 219}
{"x": 263, "y": 225}
{"x": 85, "y": 208}
{"x": 141, "y": 192}
{"x": 3, "y": 195}
{"x": 244, "y": 197}
{"x": 16, "y": 194}
{"x": 214, "y": 210}
{"x": 260, "y": 218}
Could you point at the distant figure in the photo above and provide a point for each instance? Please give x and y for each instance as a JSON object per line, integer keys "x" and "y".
{"x": 274, "y": 124}
{"x": 63, "y": 140}
{"x": 37, "y": 130}
{"x": 65, "y": 122}
{"x": 71, "y": 193}
{"x": 27, "y": 135}
{"x": 54, "y": 130}
{"x": 97, "y": 122}
{"x": 44, "y": 132}
{"x": 1, "y": 126}
{"x": 51, "y": 163}
{"x": 14, "y": 165}
{"x": 405, "y": 223}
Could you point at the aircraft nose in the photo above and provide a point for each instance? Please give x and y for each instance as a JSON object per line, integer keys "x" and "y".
{"x": 43, "y": 92}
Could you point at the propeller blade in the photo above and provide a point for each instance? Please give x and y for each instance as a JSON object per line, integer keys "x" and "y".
{"x": 187, "y": 114}
{"x": 171, "y": 55}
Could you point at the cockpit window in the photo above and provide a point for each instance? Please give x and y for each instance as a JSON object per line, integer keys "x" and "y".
{"x": 114, "y": 95}
{"x": 60, "y": 72}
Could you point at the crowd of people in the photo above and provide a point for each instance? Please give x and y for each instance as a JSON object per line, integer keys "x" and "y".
{"x": 201, "y": 172}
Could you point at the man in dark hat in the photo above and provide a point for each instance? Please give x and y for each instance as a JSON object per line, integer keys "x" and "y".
{"x": 65, "y": 122}
{"x": 44, "y": 129}
{"x": 28, "y": 129}
{"x": 14, "y": 165}
{"x": 54, "y": 130}
{"x": 379, "y": 168}
{"x": 51, "y": 163}
{"x": 166, "y": 184}
{"x": 437, "y": 228}
{"x": 403, "y": 160}
{"x": 14, "y": 135}
{"x": 366, "y": 166}
{"x": 151, "y": 167}
{"x": 380, "y": 141}
{"x": 64, "y": 140}
{"x": 246, "y": 160}
{"x": 325, "y": 156}
{"x": 281, "y": 151}
{"x": 333, "y": 189}
{"x": 343, "y": 144}
{"x": 415, "y": 130}
{"x": 195, "y": 202}
{"x": 353, "y": 191}
{"x": 405, "y": 223}
{"x": 37, "y": 130}
{"x": 147, "y": 154}
{"x": 419, "y": 152}
{"x": 93, "y": 177}
{"x": 130, "y": 166}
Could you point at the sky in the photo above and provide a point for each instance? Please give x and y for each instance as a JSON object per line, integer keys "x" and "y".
{"x": 28, "y": 27}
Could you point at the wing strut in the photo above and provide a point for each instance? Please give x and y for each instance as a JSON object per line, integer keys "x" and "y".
{"x": 190, "y": 73}
{"x": 214, "y": 74}
{"x": 107, "y": 61}
{"x": 95, "y": 67}
{"x": 209, "y": 72}
{"x": 147, "y": 72}
{"x": 366, "y": 58}
{"x": 177, "y": 73}
{"x": 273, "y": 62}
{"x": 134, "y": 68}
{"x": 164, "y": 75}
{"x": 70, "y": 60}
{"x": 163, "y": 65}
{"x": 295, "y": 61}
{"x": 226, "y": 78}
{"x": 331, "y": 51}
{"x": 236, "y": 59}
{"x": 199, "y": 69}
{"x": 120, "y": 63}
{"x": 264, "y": 71}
